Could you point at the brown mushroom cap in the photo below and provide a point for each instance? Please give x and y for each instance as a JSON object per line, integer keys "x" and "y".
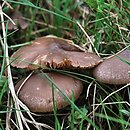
{"x": 36, "y": 93}
{"x": 113, "y": 70}
{"x": 53, "y": 52}
{"x": 17, "y": 17}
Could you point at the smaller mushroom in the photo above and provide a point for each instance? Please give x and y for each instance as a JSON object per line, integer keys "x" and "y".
{"x": 114, "y": 70}
{"x": 17, "y": 17}
{"x": 36, "y": 92}
{"x": 53, "y": 52}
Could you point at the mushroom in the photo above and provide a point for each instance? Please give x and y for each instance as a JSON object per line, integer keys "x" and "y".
{"x": 55, "y": 53}
{"x": 114, "y": 70}
{"x": 17, "y": 17}
{"x": 36, "y": 92}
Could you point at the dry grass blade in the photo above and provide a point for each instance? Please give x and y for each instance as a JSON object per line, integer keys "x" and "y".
{"x": 113, "y": 103}
{"x": 94, "y": 99}
{"x": 8, "y": 115}
{"x": 88, "y": 37}
{"x": 40, "y": 124}
{"x": 19, "y": 116}
{"x": 88, "y": 90}
{"x": 10, "y": 81}
{"x": 109, "y": 96}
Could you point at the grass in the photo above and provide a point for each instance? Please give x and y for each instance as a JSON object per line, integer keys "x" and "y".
{"x": 104, "y": 30}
